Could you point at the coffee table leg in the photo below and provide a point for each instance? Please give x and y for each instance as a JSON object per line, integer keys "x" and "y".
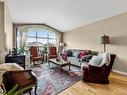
{"x": 61, "y": 69}
{"x": 69, "y": 67}
{"x": 49, "y": 63}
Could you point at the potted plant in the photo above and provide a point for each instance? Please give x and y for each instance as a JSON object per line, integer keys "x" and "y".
{"x": 22, "y": 49}
{"x": 13, "y": 91}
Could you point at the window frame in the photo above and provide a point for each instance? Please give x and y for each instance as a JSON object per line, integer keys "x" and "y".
{"x": 38, "y": 37}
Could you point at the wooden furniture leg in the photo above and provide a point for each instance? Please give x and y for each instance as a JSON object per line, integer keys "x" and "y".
{"x": 35, "y": 91}
{"x": 30, "y": 92}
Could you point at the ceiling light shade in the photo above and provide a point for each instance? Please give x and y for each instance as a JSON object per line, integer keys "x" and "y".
{"x": 104, "y": 39}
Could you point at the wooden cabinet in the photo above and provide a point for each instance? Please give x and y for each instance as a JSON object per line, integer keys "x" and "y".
{"x": 19, "y": 59}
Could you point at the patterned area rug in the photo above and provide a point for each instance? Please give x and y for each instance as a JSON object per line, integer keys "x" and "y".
{"x": 51, "y": 81}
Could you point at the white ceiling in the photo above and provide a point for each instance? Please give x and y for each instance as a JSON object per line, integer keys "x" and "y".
{"x": 64, "y": 15}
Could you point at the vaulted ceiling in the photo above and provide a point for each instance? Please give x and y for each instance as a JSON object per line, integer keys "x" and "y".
{"x": 64, "y": 15}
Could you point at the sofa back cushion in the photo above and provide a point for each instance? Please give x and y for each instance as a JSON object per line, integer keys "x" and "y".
{"x": 69, "y": 52}
{"x": 76, "y": 53}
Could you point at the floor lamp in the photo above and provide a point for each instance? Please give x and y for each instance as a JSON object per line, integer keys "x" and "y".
{"x": 104, "y": 40}
{"x": 61, "y": 47}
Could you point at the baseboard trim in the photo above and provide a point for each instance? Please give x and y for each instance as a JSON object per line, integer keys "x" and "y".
{"x": 119, "y": 72}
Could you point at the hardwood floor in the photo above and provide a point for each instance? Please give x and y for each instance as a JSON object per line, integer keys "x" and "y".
{"x": 117, "y": 86}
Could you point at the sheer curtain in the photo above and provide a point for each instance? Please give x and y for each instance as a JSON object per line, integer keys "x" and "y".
{"x": 24, "y": 29}
{"x": 23, "y": 34}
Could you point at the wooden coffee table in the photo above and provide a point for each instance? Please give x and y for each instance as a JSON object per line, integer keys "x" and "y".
{"x": 59, "y": 63}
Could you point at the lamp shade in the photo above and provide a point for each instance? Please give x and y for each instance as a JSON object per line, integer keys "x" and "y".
{"x": 104, "y": 39}
{"x": 62, "y": 44}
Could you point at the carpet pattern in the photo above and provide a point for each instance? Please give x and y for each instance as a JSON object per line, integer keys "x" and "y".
{"x": 51, "y": 81}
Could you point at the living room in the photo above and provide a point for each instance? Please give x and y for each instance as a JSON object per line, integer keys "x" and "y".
{"x": 74, "y": 28}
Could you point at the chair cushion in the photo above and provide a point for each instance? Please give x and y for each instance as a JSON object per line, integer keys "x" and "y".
{"x": 96, "y": 60}
{"x": 52, "y": 56}
{"x": 37, "y": 58}
{"x": 105, "y": 60}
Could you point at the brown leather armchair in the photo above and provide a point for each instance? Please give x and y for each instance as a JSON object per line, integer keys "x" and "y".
{"x": 52, "y": 52}
{"x": 34, "y": 54}
{"x": 98, "y": 74}
{"x": 23, "y": 78}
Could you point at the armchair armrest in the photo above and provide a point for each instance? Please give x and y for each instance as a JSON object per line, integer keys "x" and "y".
{"x": 85, "y": 72}
{"x": 96, "y": 69}
{"x": 84, "y": 68}
{"x": 26, "y": 73}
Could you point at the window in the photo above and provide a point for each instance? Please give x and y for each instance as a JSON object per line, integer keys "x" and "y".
{"x": 37, "y": 37}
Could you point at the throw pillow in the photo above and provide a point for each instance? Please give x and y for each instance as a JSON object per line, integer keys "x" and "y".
{"x": 64, "y": 56}
{"x": 86, "y": 57}
{"x": 82, "y": 53}
{"x": 96, "y": 60}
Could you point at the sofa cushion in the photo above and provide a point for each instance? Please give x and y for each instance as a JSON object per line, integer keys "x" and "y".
{"x": 74, "y": 61}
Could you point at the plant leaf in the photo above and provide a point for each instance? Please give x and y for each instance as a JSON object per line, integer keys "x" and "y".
{"x": 22, "y": 90}
{"x": 12, "y": 90}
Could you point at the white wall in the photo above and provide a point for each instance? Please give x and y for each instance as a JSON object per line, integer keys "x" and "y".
{"x": 6, "y": 35}
{"x": 87, "y": 37}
